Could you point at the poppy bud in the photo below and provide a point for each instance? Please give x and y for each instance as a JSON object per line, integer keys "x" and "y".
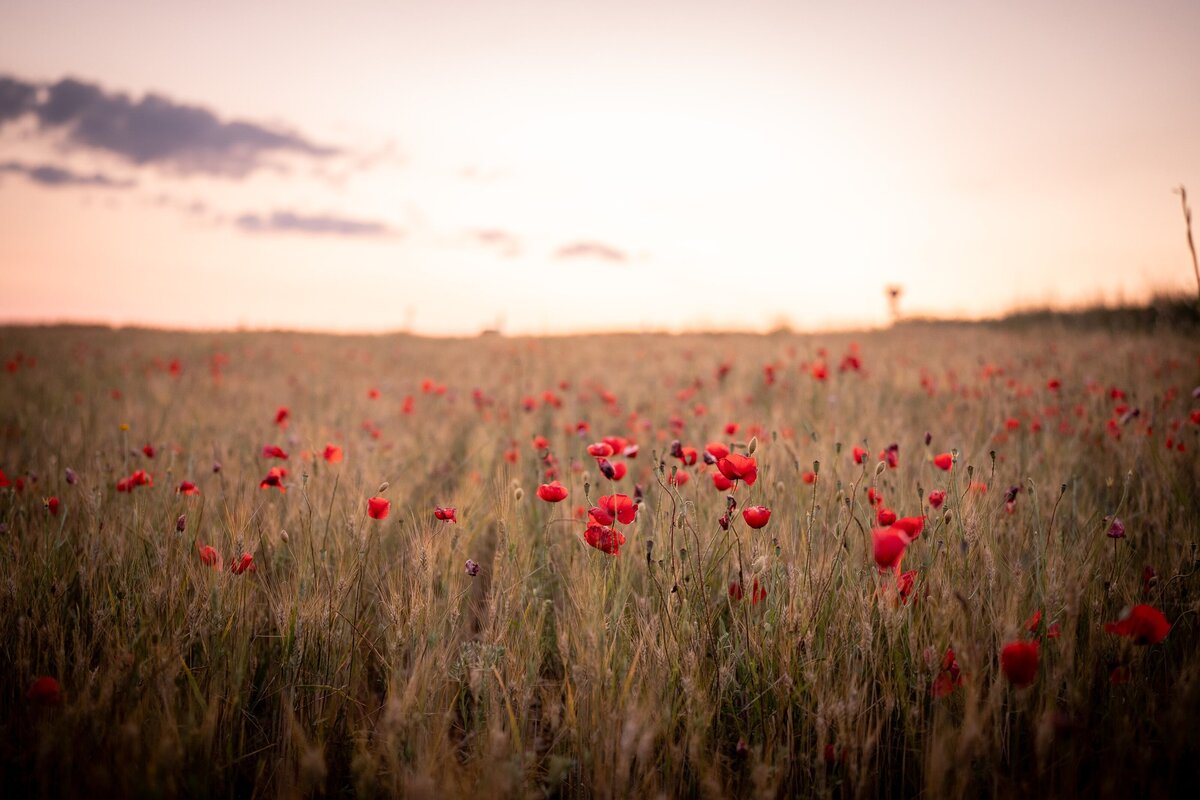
{"x": 181, "y": 523}
{"x": 519, "y": 494}
{"x": 383, "y": 487}
{"x": 750, "y": 448}
{"x": 284, "y": 536}
{"x": 71, "y": 476}
{"x": 472, "y": 568}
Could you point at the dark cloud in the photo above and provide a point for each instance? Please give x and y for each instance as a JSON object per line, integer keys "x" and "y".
{"x": 16, "y": 98}
{"x": 153, "y": 130}
{"x": 503, "y": 241}
{"x": 598, "y": 250}
{"x": 324, "y": 224}
{"x": 51, "y": 175}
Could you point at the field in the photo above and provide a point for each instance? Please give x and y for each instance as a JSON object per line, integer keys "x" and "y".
{"x": 334, "y": 646}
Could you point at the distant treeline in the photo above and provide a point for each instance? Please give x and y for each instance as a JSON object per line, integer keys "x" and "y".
{"x": 1170, "y": 312}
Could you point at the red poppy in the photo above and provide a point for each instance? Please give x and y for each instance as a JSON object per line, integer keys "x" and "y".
{"x": 1012, "y": 423}
{"x": 721, "y": 483}
{"x": 274, "y": 478}
{"x": 936, "y": 498}
{"x": 1054, "y": 384}
{"x": 148, "y": 450}
{"x": 52, "y": 504}
{"x": 1019, "y": 662}
{"x": 808, "y": 476}
{"x": 281, "y": 416}
{"x": 909, "y": 527}
{"x": 943, "y": 461}
{"x": 617, "y": 443}
{"x": 1143, "y": 623}
{"x": 446, "y": 514}
{"x": 541, "y": 443}
{"x": 210, "y": 556}
{"x": 891, "y": 456}
{"x": 373, "y": 394}
{"x": 948, "y": 678}
{"x": 731, "y": 428}
{"x": 885, "y": 516}
{"x": 138, "y": 478}
{"x": 1116, "y": 529}
{"x": 333, "y": 454}
{"x": 378, "y": 507}
{"x": 619, "y": 470}
{"x": 188, "y": 488}
{"x": 889, "y": 548}
{"x": 1033, "y": 624}
{"x": 246, "y": 564}
{"x": 860, "y": 455}
{"x": 905, "y": 584}
{"x": 273, "y": 451}
{"x": 603, "y": 538}
{"x": 45, "y": 691}
{"x": 739, "y": 468}
{"x": 553, "y": 492}
{"x": 4, "y": 481}
{"x": 757, "y": 593}
{"x": 600, "y": 450}
{"x": 618, "y": 506}
{"x": 716, "y": 450}
{"x": 756, "y": 516}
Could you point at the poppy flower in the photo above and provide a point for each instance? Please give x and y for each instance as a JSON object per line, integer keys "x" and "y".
{"x": 630, "y": 451}
{"x": 333, "y": 454}
{"x": 274, "y": 478}
{"x": 874, "y": 497}
{"x": 617, "y": 443}
{"x": 936, "y": 498}
{"x": 273, "y": 451}
{"x": 210, "y": 556}
{"x": 246, "y": 564}
{"x": 679, "y": 478}
{"x": 281, "y": 416}
{"x": 905, "y": 584}
{"x": 619, "y": 470}
{"x": 553, "y": 492}
{"x": 541, "y": 443}
{"x": 45, "y": 691}
{"x": 909, "y": 527}
{"x": 943, "y": 461}
{"x": 1019, "y": 662}
{"x": 188, "y": 488}
{"x": 1034, "y": 622}
{"x": 688, "y": 456}
{"x": 52, "y": 505}
{"x": 860, "y": 455}
{"x": 603, "y": 538}
{"x": 600, "y": 450}
{"x": 731, "y": 428}
{"x": 4, "y": 481}
{"x": 138, "y": 478}
{"x": 148, "y": 450}
{"x": 1116, "y": 529}
{"x": 891, "y": 456}
{"x": 756, "y": 516}
{"x": 446, "y": 514}
{"x": 739, "y": 468}
{"x": 1143, "y": 623}
{"x": 1149, "y": 579}
{"x": 808, "y": 476}
{"x": 378, "y": 508}
{"x": 889, "y": 546}
{"x": 721, "y": 483}
{"x": 885, "y": 516}
{"x": 716, "y": 450}
{"x": 618, "y": 506}
{"x": 472, "y": 568}
{"x": 757, "y": 593}
{"x": 372, "y": 394}
{"x": 949, "y": 677}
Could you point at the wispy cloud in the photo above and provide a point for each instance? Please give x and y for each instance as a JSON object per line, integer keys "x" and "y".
{"x": 316, "y": 224}
{"x": 597, "y": 250}
{"x": 153, "y": 130}
{"x": 503, "y": 242}
{"x": 52, "y": 175}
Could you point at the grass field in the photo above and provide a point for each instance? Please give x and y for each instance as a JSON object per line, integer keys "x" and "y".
{"x": 348, "y": 655}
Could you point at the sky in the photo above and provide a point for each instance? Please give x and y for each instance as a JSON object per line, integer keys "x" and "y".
{"x": 556, "y": 167}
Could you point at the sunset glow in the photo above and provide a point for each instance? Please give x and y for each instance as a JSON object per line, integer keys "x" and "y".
{"x": 555, "y": 167}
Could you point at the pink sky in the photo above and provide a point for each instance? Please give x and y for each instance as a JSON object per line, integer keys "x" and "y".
{"x": 572, "y": 166}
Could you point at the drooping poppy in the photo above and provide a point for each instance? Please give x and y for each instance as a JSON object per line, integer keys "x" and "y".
{"x": 553, "y": 492}
{"x": 273, "y": 451}
{"x": 446, "y": 514}
{"x": 378, "y": 507}
{"x": 1019, "y": 662}
{"x": 1143, "y": 623}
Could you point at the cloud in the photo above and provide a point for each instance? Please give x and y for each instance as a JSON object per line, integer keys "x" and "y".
{"x": 598, "y": 250}
{"x": 51, "y": 175}
{"x": 503, "y": 241}
{"x": 154, "y": 130}
{"x": 318, "y": 224}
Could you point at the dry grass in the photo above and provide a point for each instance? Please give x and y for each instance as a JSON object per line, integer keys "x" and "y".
{"x": 361, "y": 658}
